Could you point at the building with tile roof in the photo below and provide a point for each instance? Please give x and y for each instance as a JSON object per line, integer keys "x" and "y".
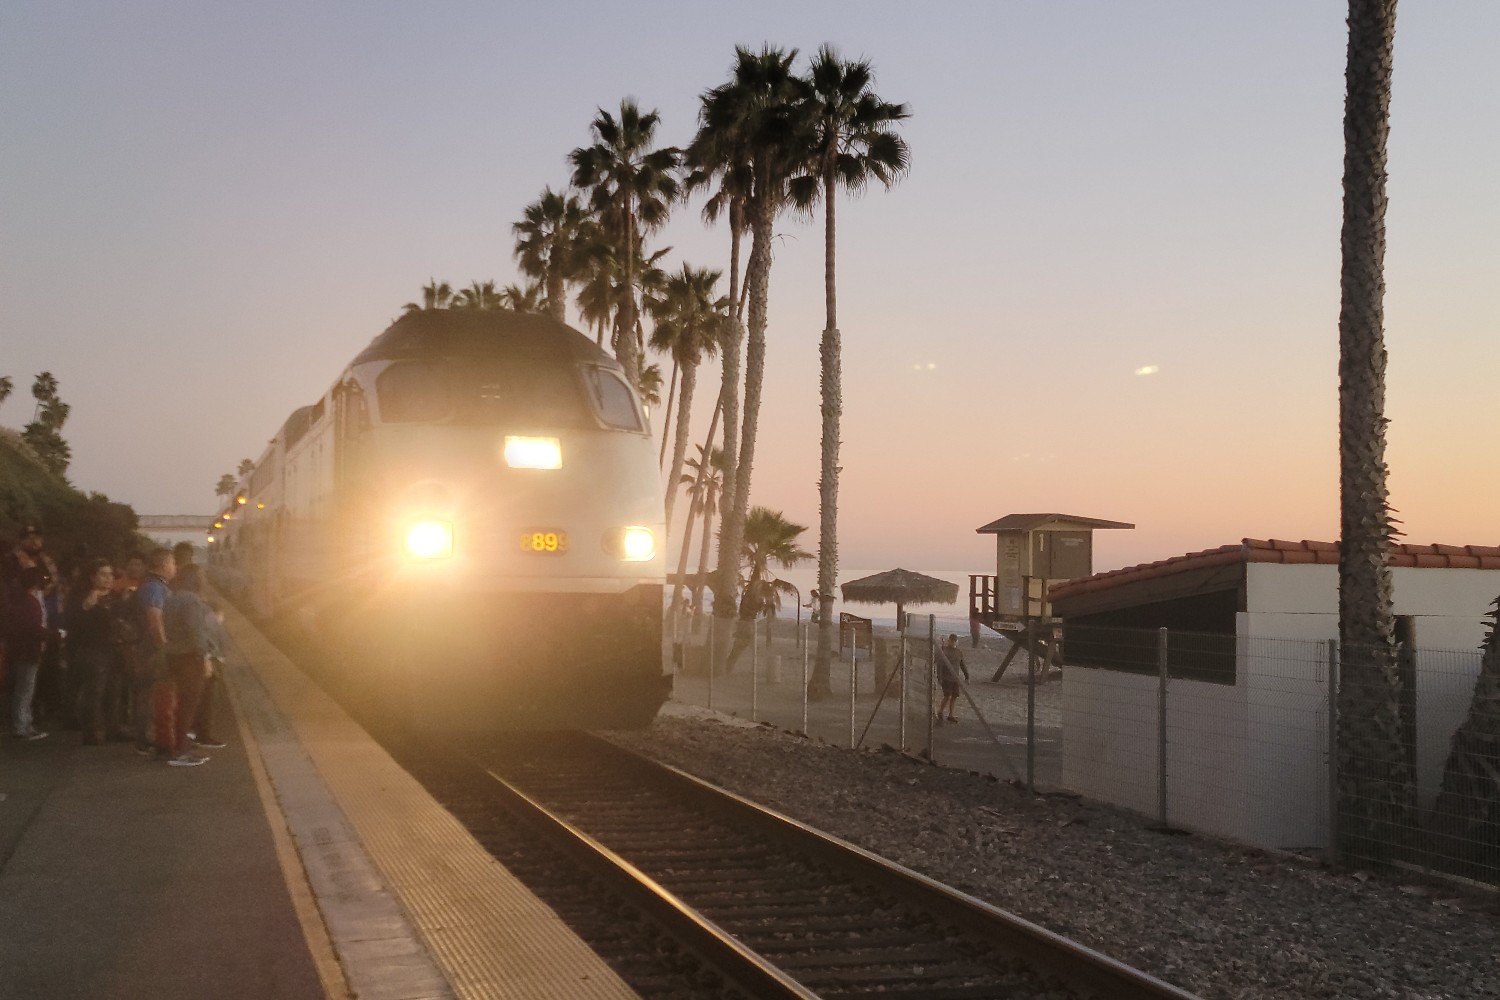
{"x": 1246, "y": 652}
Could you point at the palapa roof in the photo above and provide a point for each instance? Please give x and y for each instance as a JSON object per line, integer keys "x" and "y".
{"x": 899, "y": 586}
{"x": 1025, "y": 522}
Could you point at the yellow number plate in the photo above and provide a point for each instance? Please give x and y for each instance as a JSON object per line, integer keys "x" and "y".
{"x": 544, "y": 542}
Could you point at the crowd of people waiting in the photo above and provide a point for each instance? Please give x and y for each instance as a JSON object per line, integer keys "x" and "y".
{"x": 121, "y": 652}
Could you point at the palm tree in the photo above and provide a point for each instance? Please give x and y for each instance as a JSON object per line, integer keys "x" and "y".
{"x": 1375, "y": 783}
{"x": 435, "y": 295}
{"x": 632, "y": 186}
{"x": 769, "y": 538}
{"x": 688, "y": 323}
{"x": 245, "y": 467}
{"x": 547, "y": 245}
{"x": 479, "y": 296}
{"x": 43, "y": 390}
{"x": 527, "y": 298}
{"x": 705, "y": 483}
{"x": 757, "y": 113}
{"x": 851, "y": 143}
{"x": 7, "y": 386}
{"x": 226, "y": 487}
{"x": 1466, "y": 817}
{"x": 650, "y": 386}
{"x": 719, "y": 151}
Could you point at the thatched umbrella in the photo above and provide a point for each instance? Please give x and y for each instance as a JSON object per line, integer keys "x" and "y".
{"x": 901, "y": 587}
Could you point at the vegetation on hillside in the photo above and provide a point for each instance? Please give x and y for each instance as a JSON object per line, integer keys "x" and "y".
{"x": 34, "y": 489}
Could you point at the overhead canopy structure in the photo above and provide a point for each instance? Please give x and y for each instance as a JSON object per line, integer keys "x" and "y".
{"x": 899, "y": 587}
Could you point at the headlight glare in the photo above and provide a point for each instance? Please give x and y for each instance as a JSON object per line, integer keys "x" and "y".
{"x": 430, "y": 540}
{"x": 533, "y": 452}
{"x": 637, "y": 544}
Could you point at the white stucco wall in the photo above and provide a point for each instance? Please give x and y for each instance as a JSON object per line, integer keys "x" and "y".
{"x": 1249, "y": 761}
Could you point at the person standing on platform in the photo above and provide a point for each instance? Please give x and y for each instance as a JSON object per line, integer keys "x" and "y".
{"x": 202, "y": 730}
{"x": 91, "y": 648}
{"x": 127, "y": 633}
{"x": 150, "y": 652}
{"x": 950, "y": 663}
{"x": 30, "y": 633}
{"x": 132, "y": 575}
{"x": 189, "y": 642}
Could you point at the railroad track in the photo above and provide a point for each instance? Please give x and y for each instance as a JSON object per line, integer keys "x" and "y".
{"x": 780, "y": 909}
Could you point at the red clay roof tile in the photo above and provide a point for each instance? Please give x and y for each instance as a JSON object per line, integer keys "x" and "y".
{"x": 1278, "y": 550}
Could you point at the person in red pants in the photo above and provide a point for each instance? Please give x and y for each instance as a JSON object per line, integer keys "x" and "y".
{"x": 190, "y": 636}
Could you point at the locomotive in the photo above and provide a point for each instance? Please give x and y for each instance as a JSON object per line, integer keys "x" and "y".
{"x": 470, "y": 524}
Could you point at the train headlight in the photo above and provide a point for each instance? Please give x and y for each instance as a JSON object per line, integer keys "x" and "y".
{"x": 533, "y": 452}
{"x": 430, "y": 540}
{"x": 632, "y": 544}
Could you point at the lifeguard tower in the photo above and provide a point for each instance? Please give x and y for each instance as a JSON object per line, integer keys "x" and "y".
{"x": 1032, "y": 552}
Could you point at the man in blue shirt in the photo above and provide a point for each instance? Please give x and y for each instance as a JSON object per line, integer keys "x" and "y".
{"x": 151, "y": 603}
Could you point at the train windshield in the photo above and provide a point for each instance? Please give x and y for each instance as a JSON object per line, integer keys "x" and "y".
{"x": 476, "y": 392}
{"x": 614, "y": 400}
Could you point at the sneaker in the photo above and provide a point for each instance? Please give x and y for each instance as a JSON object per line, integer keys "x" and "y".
{"x": 187, "y": 760}
{"x": 34, "y": 735}
{"x": 146, "y": 751}
{"x": 210, "y": 744}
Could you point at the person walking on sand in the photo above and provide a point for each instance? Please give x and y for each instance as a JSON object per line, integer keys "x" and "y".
{"x": 950, "y": 664}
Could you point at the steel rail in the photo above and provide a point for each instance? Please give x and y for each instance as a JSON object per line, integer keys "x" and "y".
{"x": 1082, "y": 968}
{"x": 744, "y": 968}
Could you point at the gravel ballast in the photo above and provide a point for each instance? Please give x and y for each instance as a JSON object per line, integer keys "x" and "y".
{"x": 1213, "y": 918}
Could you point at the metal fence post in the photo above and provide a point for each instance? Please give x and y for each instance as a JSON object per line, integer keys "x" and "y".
{"x": 754, "y": 674}
{"x": 1333, "y": 751}
{"x": 804, "y": 676}
{"x": 1161, "y": 727}
{"x": 903, "y": 687}
{"x": 931, "y": 657}
{"x": 1031, "y": 709}
{"x": 853, "y": 678}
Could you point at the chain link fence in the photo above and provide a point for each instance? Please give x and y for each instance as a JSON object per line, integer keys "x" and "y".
{"x": 1235, "y": 736}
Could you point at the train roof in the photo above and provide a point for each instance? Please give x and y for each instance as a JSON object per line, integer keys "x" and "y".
{"x": 438, "y": 333}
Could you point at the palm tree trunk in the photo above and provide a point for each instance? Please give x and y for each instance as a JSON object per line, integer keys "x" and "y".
{"x": 703, "y": 552}
{"x": 737, "y": 502}
{"x": 1375, "y": 786}
{"x": 625, "y": 346}
{"x": 736, "y": 232}
{"x": 831, "y": 385}
{"x": 666, "y": 424}
{"x": 830, "y": 356}
{"x": 726, "y": 574}
{"x": 698, "y": 489}
{"x": 679, "y": 448}
{"x": 557, "y": 296}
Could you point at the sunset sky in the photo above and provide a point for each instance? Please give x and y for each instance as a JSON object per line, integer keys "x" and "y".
{"x": 1108, "y": 287}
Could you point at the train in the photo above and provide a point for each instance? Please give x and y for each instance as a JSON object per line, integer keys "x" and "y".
{"x": 469, "y": 524}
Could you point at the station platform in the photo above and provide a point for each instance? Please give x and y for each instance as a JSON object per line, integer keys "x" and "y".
{"x": 299, "y": 862}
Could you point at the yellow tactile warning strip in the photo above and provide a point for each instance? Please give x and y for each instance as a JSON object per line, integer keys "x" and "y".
{"x": 490, "y": 936}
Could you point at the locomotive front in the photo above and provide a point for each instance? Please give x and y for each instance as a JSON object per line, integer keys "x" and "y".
{"x": 497, "y": 528}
